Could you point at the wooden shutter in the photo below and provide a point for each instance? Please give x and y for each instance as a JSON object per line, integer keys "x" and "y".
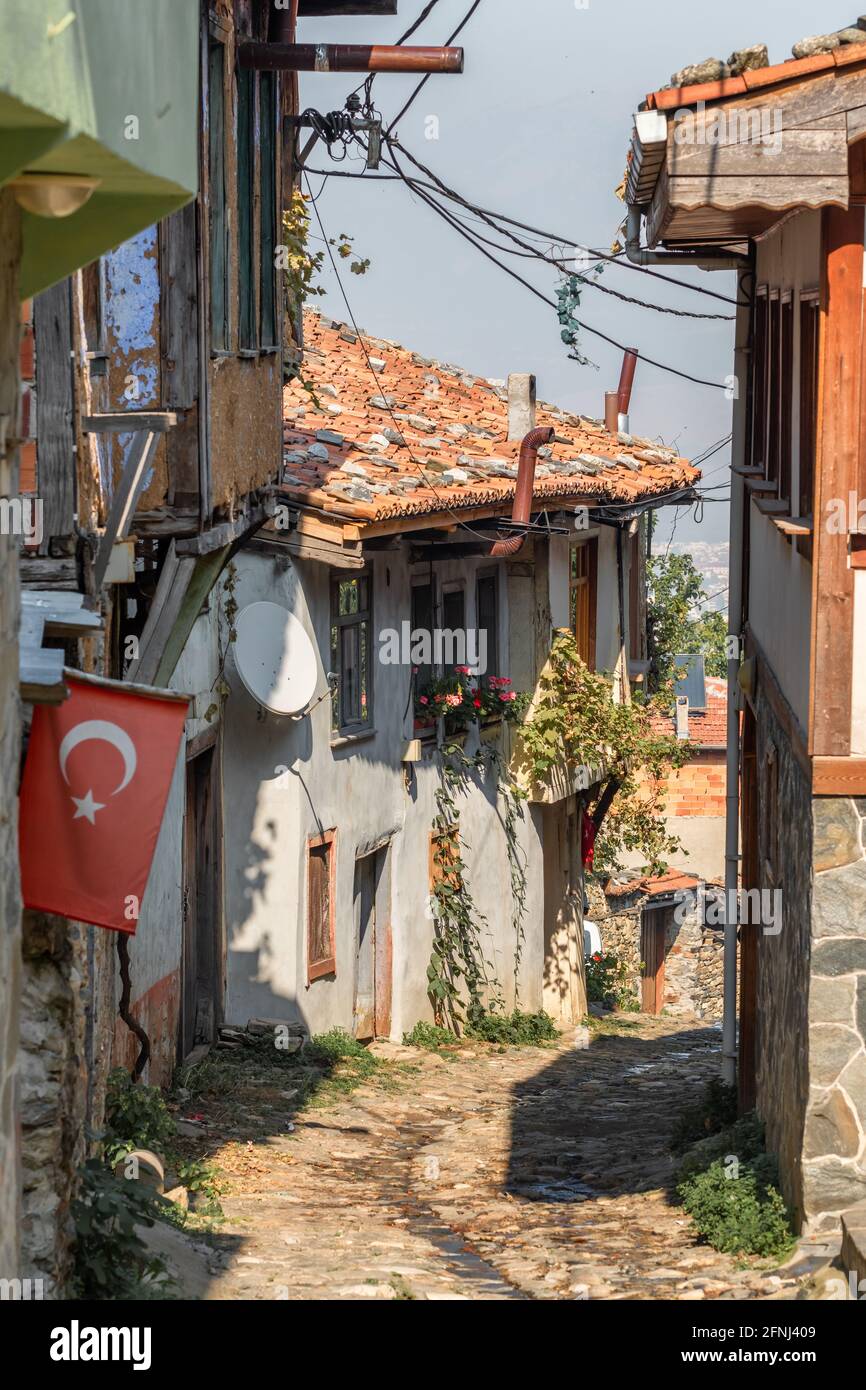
{"x": 583, "y": 587}
{"x": 268, "y": 335}
{"x": 246, "y": 244}
{"x": 321, "y": 955}
{"x": 217, "y": 197}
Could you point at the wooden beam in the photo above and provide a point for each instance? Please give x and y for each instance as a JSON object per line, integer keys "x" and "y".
{"x": 836, "y": 467}
{"x": 838, "y": 776}
{"x": 129, "y": 422}
{"x": 226, "y": 533}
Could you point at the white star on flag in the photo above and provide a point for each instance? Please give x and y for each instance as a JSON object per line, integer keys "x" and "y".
{"x": 86, "y": 807}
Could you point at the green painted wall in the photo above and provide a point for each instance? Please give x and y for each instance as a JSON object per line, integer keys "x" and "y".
{"x": 107, "y": 88}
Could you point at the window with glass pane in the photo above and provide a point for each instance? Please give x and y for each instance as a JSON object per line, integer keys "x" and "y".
{"x": 423, "y": 621}
{"x": 488, "y": 621}
{"x": 583, "y": 590}
{"x": 454, "y": 620}
{"x": 351, "y": 654}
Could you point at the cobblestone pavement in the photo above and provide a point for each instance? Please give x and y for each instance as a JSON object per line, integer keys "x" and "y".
{"x": 486, "y": 1174}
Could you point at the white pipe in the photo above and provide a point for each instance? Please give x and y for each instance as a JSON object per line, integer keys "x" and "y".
{"x": 732, "y": 774}
{"x": 706, "y": 259}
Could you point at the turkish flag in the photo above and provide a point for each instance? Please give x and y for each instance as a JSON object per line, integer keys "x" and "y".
{"x": 97, "y": 777}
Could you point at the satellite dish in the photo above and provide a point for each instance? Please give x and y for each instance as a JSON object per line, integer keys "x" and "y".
{"x": 275, "y": 658}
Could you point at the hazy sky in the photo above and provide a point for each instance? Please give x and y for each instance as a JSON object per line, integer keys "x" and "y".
{"x": 538, "y": 127}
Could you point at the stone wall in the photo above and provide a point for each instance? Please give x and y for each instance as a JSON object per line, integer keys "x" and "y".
{"x": 10, "y": 749}
{"x": 782, "y": 1028}
{"x": 834, "y": 1152}
{"x": 694, "y": 951}
{"x": 53, "y": 1093}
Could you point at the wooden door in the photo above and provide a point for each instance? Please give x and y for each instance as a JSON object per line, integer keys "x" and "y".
{"x": 652, "y": 950}
{"x": 202, "y": 967}
{"x": 365, "y": 947}
{"x": 372, "y": 1014}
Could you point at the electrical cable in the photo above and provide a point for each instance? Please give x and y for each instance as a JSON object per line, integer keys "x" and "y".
{"x": 587, "y": 328}
{"x": 562, "y": 265}
{"x": 451, "y": 37}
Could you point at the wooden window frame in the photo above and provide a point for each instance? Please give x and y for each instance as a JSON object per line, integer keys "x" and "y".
{"x": 773, "y": 389}
{"x": 449, "y": 588}
{"x": 219, "y": 265}
{"x": 575, "y": 583}
{"x": 364, "y": 616}
{"x": 484, "y": 576}
{"x": 246, "y": 142}
{"x": 269, "y": 106}
{"x": 758, "y": 422}
{"x": 786, "y": 394}
{"x": 325, "y": 965}
{"x": 809, "y": 304}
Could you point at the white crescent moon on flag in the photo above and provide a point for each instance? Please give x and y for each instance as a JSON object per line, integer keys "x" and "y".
{"x": 109, "y": 733}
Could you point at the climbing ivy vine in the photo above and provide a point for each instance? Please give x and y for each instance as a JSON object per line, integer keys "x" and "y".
{"x": 575, "y": 724}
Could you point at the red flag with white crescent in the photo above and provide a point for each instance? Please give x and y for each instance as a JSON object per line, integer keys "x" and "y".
{"x": 96, "y": 780}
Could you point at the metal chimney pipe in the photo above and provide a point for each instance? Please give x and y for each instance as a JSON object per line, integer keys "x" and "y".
{"x": 521, "y": 404}
{"x": 522, "y": 508}
{"x": 626, "y": 380}
{"x": 348, "y": 57}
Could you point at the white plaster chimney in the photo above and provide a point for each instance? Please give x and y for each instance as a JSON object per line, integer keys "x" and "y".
{"x": 682, "y": 716}
{"x": 521, "y": 404}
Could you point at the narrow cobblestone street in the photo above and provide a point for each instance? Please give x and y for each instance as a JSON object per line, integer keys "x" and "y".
{"x": 477, "y": 1174}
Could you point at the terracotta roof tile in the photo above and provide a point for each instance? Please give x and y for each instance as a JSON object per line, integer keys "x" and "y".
{"x": 793, "y": 69}
{"x": 416, "y": 436}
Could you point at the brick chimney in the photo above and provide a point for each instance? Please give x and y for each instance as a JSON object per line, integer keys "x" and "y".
{"x": 521, "y": 404}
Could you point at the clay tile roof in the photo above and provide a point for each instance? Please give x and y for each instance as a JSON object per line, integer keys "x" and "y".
{"x": 343, "y": 453}
{"x": 708, "y": 728}
{"x": 792, "y": 70}
{"x": 674, "y": 881}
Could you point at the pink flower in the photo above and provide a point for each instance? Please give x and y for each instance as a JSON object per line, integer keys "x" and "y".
{"x": 462, "y": 670}
{"x": 454, "y": 700}
{"x": 422, "y": 700}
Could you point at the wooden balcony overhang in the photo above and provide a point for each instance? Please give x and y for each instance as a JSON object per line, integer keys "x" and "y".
{"x": 722, "y": 163}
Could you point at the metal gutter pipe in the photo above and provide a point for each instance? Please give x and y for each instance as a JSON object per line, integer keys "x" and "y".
{"x": 522, "y": 508}
{"x": 703, "y": 258}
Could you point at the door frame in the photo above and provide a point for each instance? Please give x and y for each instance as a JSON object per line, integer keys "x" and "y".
{"x": 653, "y": 930}
{"x": 208, "y": 747}
{"x": 382, "y": 940}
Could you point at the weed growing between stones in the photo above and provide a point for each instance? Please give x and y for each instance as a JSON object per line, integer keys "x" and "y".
{"x": 716, "y": 1110}
{"x": 516, "y": 1029}
{"x": 729, "y": 1185}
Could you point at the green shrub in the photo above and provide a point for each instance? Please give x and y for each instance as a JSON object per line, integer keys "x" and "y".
{"x": 729, "y": 1185}
{"x": 430, "y": 1036}
{"x": 111, "y": 1261}
{"x": 607, "y": 982}
{"x": 737, "y": 1208}
{"x": 516, "y": 1029}
{"x": 136, "y": 1117}
{"x": 714, "y": 1112}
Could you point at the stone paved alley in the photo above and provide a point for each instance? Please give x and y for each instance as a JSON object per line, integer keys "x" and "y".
{"x": 477, "y": 1174}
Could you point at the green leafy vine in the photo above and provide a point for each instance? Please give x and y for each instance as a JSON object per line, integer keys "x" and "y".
{"x": 574, "y": 724}
{"x": 457, "y": 953}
